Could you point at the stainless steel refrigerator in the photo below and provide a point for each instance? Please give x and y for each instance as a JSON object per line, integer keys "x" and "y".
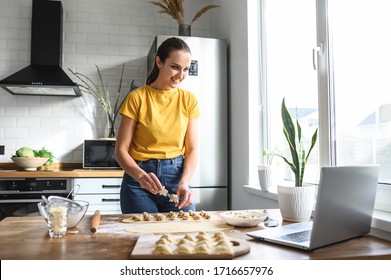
{"x": 207, "y": 79}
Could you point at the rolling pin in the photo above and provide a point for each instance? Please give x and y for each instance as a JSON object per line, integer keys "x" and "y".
{"x": 95, "y": 221}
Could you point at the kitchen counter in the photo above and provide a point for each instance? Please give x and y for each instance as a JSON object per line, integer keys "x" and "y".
{"x": 59, "y": 171}
{"x": 27, "y": 238}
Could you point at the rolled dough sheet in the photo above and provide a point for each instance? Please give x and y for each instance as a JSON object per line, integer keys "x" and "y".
{"x": 177, "y": 227}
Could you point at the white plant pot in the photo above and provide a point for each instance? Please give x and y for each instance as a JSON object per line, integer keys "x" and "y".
{"x": 296, "y": 203}
{"x": 266, "y": 176}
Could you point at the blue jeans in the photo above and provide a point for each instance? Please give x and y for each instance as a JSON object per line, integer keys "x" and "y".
{"x": 135, "y": 199}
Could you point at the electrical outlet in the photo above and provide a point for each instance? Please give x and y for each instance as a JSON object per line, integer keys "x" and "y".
{"x": 1, "y": 149}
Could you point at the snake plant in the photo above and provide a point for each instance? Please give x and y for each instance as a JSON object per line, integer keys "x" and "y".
{"x": 295, "y": 141}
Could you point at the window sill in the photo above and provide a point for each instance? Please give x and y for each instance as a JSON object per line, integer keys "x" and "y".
{"x": 381, "y": 220}
{"x": 257, "y": 191}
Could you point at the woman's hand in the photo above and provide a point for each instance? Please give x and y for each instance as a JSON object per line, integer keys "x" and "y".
{"x": 185, "y": 196}
{"x": 150, "y": 182}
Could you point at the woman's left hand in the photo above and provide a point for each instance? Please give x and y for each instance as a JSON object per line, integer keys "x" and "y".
{"x": 185, "y": 196}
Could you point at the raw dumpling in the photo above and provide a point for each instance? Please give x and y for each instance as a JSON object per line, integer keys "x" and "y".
{"x": 161, "y": 249}
{"x": 223, "y": 249}
{"x": 224, "y": 242}
{"x": 197, "y": 217}
{"x": 206, "y": 243}
{"x": 218, "y": 235}
{"x": 202, "y": 237}
{"x": 184, "y": 249}
{"x": 169, "y": 237}
{"x": 163, "y": 241}
{"x": 147, "y": 216}
{"x": 186, "y": 241}
{"x": 189, "y": 237}
{"x": 202, "y": 249}
{"x": 159, "y": 217}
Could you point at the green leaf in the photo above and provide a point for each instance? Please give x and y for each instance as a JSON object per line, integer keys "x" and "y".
{"x": 290, "y": 134}
{"x": 296, "y": 146}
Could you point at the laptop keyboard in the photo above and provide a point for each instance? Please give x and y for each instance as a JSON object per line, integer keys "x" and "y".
{"x": 299, "y": 237}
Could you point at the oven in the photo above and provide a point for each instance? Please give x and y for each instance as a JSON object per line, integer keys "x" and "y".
{"x": 19, "y": 196}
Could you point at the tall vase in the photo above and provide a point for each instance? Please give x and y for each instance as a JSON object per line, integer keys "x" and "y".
{"x": 184, "y": 30}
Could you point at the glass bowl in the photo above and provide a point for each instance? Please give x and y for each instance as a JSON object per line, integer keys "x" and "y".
{"x": 76, "y": 212}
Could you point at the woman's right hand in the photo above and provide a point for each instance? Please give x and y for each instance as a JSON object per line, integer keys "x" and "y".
{"x": 150, "y": 182}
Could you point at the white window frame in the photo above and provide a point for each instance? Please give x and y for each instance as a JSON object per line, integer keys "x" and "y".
{"x": 327, "y": 150}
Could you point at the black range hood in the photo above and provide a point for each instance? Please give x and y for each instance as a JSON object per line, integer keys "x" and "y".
{"x": 44, "y": 76}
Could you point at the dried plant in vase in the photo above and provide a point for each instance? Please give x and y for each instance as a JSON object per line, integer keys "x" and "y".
{"x": 175, "y": 9}
{"x": 102, "y": 94}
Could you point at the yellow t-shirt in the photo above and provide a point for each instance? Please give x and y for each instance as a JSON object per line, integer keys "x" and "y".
{"x": 162, "y": 117}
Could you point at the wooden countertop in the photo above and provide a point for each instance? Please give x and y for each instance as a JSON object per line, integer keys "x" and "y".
{"x": 27, "y": 238}
{"x": 9, "y": 170}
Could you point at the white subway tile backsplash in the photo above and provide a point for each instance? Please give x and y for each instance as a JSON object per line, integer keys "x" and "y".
{"x": 25, "y": 100}
{"x": 108, "y": 33}
{"x": 109, "y": 28}
{"x": 84, "y": 49}
{"x": 24, "y": 55}
{"x": 87, "y": 27}
{"x": 16, "y": 133}
{"x": 76, "y": 37}
{"x": 76, "y": 58}
{"x": 120, "y": 19}
{"x": 97, "y": 38}
{"x": 75, "y": 16}
{"x": 97, "y": 59}
{"x": 53, "y": 123}
{"x": 16, "y": 111}
{"x": 40, "y": 111}
{"x": 38, "y": 133}
{"x": 116, "y": 40}
{"x": 67, "y": 112}
{"x": 28, "y": 122}
{"x": 109, "y": 49}
{"x": 18, "y": 45}
{"x": 9, "y": 11}
{"x": 12, "y": 55}
{"x": 7, "y": 122}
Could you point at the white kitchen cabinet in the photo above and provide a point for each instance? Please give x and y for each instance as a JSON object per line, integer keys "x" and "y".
{"x": 103, "y": 194}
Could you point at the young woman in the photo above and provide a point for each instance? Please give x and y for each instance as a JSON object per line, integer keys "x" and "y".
{"x": 157, "y": 139}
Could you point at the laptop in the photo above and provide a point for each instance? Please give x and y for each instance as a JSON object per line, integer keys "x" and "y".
{"x": 344, "y": 208}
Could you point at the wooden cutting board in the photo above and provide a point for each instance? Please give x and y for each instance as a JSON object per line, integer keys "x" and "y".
{"x": 144, "y": 244}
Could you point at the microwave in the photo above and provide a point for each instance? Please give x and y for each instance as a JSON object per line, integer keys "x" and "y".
{"x": 99, "y": 154}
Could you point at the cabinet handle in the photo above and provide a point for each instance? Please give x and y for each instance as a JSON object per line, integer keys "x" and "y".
{"x": 111, "y": 186}
{"x": 110, "y": 199}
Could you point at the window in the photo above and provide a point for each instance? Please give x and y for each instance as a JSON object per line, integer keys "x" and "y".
{"x": 290, "y": 34}
{"x": 351, "y": 83}
{"x": 362, "y": 88}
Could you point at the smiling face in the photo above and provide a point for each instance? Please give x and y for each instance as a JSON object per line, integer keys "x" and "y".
{"x": 172, "y": 71}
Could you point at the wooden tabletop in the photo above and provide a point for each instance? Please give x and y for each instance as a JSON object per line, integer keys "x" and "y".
{"x": 27, "y": 238}
{"x": 58, "y": 170}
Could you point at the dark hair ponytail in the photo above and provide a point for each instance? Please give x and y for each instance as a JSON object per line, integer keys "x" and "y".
{"x": 163, "y": 52}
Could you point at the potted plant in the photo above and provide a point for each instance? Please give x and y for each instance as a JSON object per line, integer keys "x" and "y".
{"x": 100, "y": 91}
{"x": 295, "y": 202}
{"x": 176, "y": 9}
{"x": 266, "y": 172}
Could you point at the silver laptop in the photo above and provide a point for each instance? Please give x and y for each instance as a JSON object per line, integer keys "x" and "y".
{"x": 344, "y": 207}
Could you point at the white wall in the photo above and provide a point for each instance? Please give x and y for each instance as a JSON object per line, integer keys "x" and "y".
{"x": 103, "y": 32}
